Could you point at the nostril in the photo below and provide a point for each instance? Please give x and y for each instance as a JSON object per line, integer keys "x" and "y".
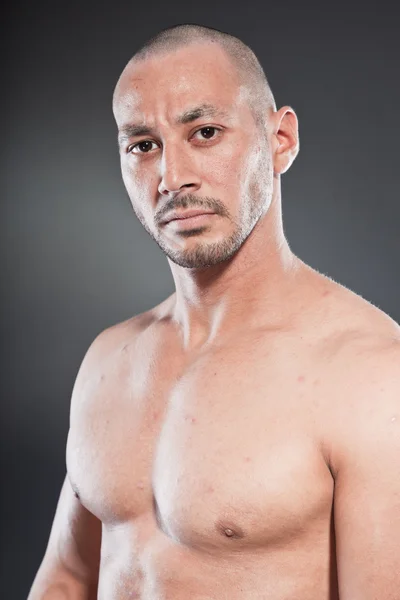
{"x": 166, "y": 189}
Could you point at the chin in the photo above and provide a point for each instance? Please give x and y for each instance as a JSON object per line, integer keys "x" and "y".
{"x": 203, "y": 255}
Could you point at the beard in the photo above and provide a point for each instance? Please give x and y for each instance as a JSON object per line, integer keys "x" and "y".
{"x": 205, "y": 254}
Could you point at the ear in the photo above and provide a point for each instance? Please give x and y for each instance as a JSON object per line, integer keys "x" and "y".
{"x": 285, "y": 139}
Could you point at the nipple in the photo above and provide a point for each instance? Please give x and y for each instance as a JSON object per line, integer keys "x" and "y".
{"x": 228, "y": 532}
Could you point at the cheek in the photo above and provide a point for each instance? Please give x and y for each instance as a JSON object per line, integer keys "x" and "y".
{"x": 258, "y": 167}
{"x": 224, "y": 166}
{"x": 138, "y": 181}
{"x": 140, "y": 191}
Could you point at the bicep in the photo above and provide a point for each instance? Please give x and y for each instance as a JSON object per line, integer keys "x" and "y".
{"x": 367, "y": 515}
{"x": 74, "y": 542}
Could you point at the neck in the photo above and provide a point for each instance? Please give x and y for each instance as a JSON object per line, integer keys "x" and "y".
{"x": 250, "y": 288}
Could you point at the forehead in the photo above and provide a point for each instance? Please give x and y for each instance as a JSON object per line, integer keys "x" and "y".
{"x": 167, "y": 83}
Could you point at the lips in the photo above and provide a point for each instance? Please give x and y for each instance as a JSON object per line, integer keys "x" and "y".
{"x": 187, "y": 214}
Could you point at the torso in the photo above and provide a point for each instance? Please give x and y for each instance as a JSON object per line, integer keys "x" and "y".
{"x": 208, "y": 470}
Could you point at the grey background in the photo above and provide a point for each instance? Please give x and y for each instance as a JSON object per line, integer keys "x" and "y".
{"x": 74, "y": 258}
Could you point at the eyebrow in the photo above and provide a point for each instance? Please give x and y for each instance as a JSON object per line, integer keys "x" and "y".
{"x": 192, "y": 114}
{"x": 204, "y": 110}
{"x": 133, "y": 130}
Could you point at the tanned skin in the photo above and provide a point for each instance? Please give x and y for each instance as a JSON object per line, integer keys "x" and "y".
{"x": 241, "y": 440}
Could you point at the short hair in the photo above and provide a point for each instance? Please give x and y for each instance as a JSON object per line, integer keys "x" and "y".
{"x": 242, "y": 57}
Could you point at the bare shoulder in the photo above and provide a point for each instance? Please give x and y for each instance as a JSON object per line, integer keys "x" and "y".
{"x": 360, "y": 366}
{"x": 109, "y": 354}
{"x": 363, "y": 424}
{"x": 346, "y": 325}
{"x": 122, "y": 333}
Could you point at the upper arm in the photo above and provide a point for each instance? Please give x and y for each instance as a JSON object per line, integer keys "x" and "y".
{"x": 75, "y": 538}
{"x": 73, "y": 550}
{"x": 367, "y": 493}
{"x": 76, "y": 535}
{"x": 72, "y": 555}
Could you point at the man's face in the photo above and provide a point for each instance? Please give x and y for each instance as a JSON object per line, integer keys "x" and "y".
{"x": 188, "y": 140}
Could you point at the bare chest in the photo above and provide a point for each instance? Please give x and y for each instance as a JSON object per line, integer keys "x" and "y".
{"x": 228, "y": 450}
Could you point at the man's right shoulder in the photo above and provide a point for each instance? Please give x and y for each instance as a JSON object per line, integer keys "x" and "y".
{"x": 116, "y": 336}
{"x": 110, "y": 339}
{"x": 108, "y": 353}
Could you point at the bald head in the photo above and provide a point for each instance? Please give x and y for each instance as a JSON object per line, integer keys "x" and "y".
{"x": 242, "y": 58}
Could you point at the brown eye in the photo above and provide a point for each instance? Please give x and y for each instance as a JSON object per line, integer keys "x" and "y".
{"x": 207, "y": 132}
{"x": 142, "y": 147}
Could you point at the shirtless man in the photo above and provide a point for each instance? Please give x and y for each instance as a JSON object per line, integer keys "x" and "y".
{"x": 240, "y": 441}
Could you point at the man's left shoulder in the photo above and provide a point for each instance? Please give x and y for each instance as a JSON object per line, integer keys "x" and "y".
{"x": 363, "y": 341}
{"x": 370, "y": 355}
{"x": 361, "y": 414}
{"x": 366, "y": 369}
{"x": 363, "y": 387}
{"x": 380, "y": 370}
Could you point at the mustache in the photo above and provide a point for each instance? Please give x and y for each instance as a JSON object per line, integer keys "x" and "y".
{"x": 191, "y": 201}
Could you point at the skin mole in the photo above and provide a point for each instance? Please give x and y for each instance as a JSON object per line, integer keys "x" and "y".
{"x": 190, "y": 418}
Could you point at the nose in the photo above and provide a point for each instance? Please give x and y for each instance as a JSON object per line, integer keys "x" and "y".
{"x": 177, "y": 172}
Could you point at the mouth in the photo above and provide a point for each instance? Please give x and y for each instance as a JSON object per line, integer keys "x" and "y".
{"x": 189, "y": 220}
{"x": 186, "y": 215}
